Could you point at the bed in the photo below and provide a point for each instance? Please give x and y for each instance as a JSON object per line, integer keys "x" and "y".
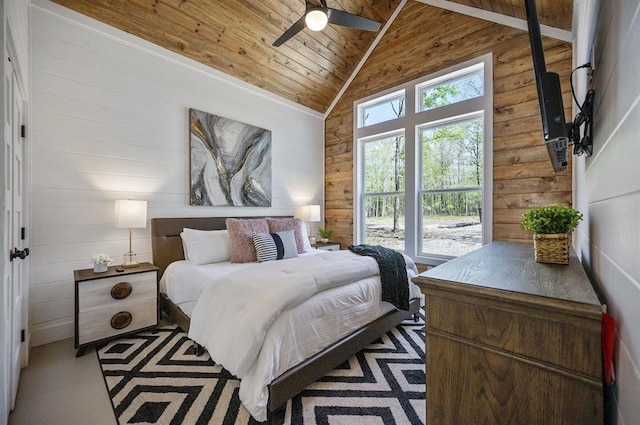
{"x": 168, "y": 253}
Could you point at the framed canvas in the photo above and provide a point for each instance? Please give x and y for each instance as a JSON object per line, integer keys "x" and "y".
{"x": 230, "y": 162}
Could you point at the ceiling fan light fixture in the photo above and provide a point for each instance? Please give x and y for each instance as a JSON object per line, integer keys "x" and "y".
{"x": 316, "y": 19}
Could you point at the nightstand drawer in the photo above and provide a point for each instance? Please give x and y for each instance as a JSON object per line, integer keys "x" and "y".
{"x": 99, "y": 324}
{"x": 112, "y": 291}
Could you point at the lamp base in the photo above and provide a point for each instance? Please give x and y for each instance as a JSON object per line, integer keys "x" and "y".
{"x": 130, "y": 260}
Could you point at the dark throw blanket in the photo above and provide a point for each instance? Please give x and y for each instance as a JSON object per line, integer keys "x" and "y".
{"x": 393, "y": 273}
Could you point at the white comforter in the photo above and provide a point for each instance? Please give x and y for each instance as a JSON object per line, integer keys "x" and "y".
{"x": 299, "y": 332}
{"x": 233, "y": 315}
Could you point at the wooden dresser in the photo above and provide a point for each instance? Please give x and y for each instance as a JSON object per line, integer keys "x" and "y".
{"x": 511, "y": 341}
{"x": 112, "y": 304}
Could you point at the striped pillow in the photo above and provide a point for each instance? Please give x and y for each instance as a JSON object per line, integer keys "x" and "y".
{"x": 275, "y": 246}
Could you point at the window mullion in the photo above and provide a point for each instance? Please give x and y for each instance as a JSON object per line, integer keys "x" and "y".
{"x": 412, "y": 173}
{"x": 461, "y": 189}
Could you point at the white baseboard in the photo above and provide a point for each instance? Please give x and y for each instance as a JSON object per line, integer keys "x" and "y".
{"x": 45, "y": 333}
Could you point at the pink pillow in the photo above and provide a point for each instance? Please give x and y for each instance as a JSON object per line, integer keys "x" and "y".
{"x": 283, "y": 224}
{"x": 241, "y": 237}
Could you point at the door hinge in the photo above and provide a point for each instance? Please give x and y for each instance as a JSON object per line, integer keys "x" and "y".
{"x": 22, "y": 338}
{"x": 23, "y": 131}
{"x": 23, "y": 233}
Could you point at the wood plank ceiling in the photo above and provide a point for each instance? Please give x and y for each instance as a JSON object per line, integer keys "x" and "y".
{"x": 235, "y": 37}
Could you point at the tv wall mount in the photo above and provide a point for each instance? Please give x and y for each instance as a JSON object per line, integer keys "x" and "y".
{"x": 582, "y": 142}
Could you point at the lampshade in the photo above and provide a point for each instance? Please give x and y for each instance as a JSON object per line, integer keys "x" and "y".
{"x": 316, "y": 20}
{"x": 131, "y": 214}
{"x": 311, "y": 212}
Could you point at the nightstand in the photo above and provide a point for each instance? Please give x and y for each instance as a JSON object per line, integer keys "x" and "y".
{"x": 112, "y": 304}
{"x": 327, "y": 246}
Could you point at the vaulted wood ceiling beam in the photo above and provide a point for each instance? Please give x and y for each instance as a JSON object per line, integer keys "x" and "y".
{"x": 510, "y": 21}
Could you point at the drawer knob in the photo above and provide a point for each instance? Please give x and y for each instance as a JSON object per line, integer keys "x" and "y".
{"x": 121, "y": 290}
{"x": 121, "y": 320}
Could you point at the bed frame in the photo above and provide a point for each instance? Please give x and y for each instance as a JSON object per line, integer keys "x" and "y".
{"x": 167, "y": 248}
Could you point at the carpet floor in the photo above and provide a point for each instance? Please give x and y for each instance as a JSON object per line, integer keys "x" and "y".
{"x": 156, "y": 378}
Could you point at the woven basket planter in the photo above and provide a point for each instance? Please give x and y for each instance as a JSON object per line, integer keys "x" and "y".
{"x": 551, "y": 248}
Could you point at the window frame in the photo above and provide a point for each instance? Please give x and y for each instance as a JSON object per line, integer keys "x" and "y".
{"x": 435, "y": 81}
{"x": 363, "y": 193}
{"x": 412, "y": 123}
{"x": 379, "y": 100}
{"x": 420, "y": 189}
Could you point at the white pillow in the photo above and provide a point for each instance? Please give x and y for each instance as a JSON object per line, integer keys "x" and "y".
{"x": 305, "y": 237}
{"x": 184, "y": 245}
{"x": 206, "y": 246}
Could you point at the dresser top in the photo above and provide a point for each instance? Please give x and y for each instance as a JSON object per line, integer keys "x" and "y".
{"x": 510, "y": 266}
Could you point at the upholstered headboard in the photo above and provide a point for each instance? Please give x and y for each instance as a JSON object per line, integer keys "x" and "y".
{"x": 166, "y": 245}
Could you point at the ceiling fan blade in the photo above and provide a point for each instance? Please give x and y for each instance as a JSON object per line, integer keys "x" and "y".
{"x": 295, "y": 28}
{"x": 350, "y": 20}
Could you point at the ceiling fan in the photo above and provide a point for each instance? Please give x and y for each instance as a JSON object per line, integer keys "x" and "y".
{"x": 316, "y": 18}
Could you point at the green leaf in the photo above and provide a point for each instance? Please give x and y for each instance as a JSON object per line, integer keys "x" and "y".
{"x": 551, "y": 220}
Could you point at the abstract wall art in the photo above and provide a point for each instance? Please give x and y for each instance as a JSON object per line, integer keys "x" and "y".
{"x": 230, "y": 162}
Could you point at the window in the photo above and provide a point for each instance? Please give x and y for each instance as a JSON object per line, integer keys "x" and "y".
{"x": 451, "y": 189}
{"x": 452, "y": 88}
{"x": 383, "y": 195}
{"x": 381, "y": 109}
{"x": 421, "y": 168}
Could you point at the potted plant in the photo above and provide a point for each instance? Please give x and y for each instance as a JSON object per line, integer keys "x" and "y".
{"x": 551, "y": 227}
{"x": 101, "y": 262}
{"x": 325, "y": 234}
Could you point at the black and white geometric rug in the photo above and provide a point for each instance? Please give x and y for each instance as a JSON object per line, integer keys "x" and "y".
{"x": 156, "y": 378}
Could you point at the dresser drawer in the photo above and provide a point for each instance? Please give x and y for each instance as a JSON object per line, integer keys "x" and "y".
{"x": 96, "y": 324}
{"x": 111, "y": 291}
{"x": 467, "y": 384}
{"x": 566, "y": 342}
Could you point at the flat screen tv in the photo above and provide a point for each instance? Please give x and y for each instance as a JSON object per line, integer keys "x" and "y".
{"x": 554, "y": 127}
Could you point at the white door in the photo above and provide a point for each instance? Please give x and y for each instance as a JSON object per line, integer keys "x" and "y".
{"x": 15, "y": 265}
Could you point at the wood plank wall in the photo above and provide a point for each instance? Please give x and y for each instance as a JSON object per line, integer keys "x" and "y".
{"x": 425, "y": 39}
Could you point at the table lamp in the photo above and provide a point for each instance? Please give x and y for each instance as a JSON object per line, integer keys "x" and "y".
{"x": 310, "y": 214}
{"x": 132, "y": 215}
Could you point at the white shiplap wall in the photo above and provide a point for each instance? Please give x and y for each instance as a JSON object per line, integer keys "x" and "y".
{"x": 608, "y": 192}
{"x": 110, "y": 121}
